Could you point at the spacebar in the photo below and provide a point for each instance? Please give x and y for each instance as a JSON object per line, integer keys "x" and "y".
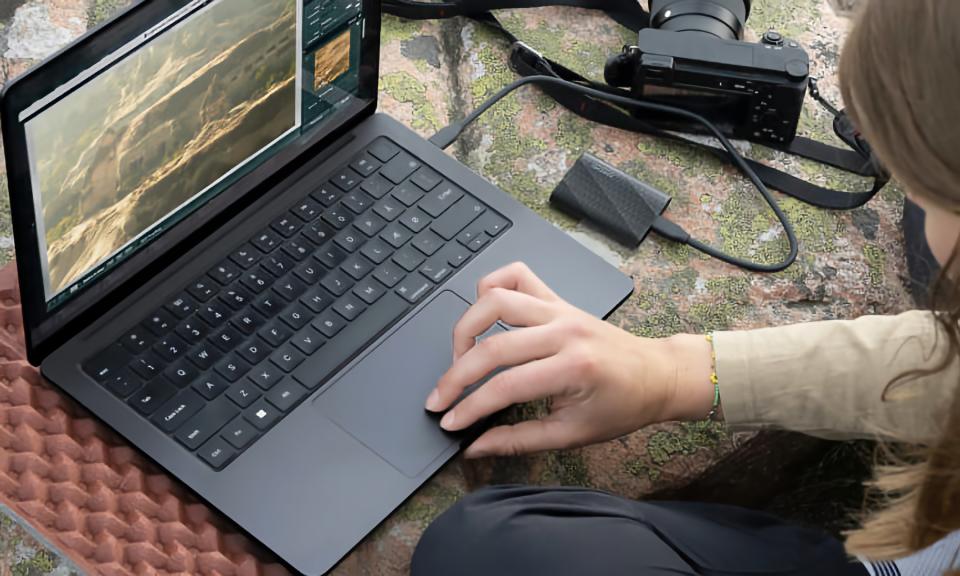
{"x": 352, "y": 339}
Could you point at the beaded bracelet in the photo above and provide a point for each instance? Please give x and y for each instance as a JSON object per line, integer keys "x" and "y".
{"x": 712, "y": 416}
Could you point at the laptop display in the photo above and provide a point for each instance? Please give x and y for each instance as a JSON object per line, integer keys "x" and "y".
{"x": 134, "y": 145}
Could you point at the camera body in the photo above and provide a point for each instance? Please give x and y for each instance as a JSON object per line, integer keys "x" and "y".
{"x": 753, "y": 91}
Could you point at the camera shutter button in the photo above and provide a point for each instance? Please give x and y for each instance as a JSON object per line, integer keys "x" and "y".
{"x": 797, "y": 70}
{"x": 773, "y": 38}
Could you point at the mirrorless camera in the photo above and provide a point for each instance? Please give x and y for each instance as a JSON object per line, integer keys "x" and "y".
{"x": 693, "y": 57}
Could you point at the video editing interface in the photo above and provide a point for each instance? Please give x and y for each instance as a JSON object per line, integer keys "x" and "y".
{"x": 131, "y": 148}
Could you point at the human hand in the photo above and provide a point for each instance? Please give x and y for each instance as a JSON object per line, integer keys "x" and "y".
{"x": 602, "y": 382}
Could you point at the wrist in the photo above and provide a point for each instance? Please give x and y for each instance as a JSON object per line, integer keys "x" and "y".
{"x": 691, "y": 392}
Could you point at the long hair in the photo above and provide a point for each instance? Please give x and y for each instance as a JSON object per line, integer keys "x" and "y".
{"x": 900, "y": 78}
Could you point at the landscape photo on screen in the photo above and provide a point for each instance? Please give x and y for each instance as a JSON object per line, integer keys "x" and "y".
{"x": 332, "y": 60}
{"x": 127, "y": 149}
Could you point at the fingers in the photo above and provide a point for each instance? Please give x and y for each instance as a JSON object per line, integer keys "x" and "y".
{"x": 502, "y": 350}
{"x": 519, "y": 277}
{"x": 524, "y": 383}
{"x": 523, "y": 438}
{"x": 515, "y": 308}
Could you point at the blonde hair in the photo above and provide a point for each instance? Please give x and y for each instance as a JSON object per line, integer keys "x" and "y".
{"x": 900, "y": 78}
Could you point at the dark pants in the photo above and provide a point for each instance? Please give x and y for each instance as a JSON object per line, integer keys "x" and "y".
{"x": 521, "y": 530}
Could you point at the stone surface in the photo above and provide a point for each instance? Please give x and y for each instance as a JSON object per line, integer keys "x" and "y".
{"x": 432, "y": 73}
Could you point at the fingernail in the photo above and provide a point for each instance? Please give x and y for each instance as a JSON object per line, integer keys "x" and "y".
{"x": 447, "y": 421}
{"x": 433, "y": 401}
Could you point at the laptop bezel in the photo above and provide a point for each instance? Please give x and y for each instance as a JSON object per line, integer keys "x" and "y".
{"x": 45, "y": 330}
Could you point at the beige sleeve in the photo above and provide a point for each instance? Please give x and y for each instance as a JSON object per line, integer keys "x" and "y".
{"x": 827, "y": 378}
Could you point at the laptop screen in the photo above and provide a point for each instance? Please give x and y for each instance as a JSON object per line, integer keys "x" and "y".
{"x": 135, "y": 144}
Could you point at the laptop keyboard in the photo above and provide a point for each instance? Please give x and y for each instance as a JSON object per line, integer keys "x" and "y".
{"x": 244, "y": 344}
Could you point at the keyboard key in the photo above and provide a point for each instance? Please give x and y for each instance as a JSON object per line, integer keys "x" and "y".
{"x": 471, "y": 232}
{"x": 377, "y": 186}
{"x": 346, "y": 179}
{"x": 214, "y": 314}
{"x": 317, "y": 299}
{"x": 248, "y": 321}
{"x": 245, "y": 257}
{"x": 399, "y": 167}
{"x": 286, "y": 358}
{"x": 349, "y": 307}
{"x": 225, "y": 272}
{"x": 415, "y": 220}
{"x": 455, "y": 254}
{"x": 236, "y": 298}
{"x": 388, "y": 208}
{"x": 243, "y": 393}
{"x": 266, "y": 241}
{"x": 171, "y": 347}
{"x": 275, "y": 333}
{"x": 182, "y": 306}
{"x": 383, "y": 149}
{"x": 256, "y": 281}
{"x": 206, "y": 423}
{"x": 369, "y": 224}
{"x": 232, "y": 368}
{"x": 286, "y": 395}
{"x": 192, "y": 330}
{"x": 492, "y": 224}
{"x": 335, "y": 353}
{"x": 202, "y": 289}
{"x": 326, "y": 195}
{"x": 389, "y": 274}
{"x": 338, "y": 216}
{"x": 180, "y": 374}
{"x": 217, "y": 453}
{"x": 376, "y": 250}
{"x": 329, "y": 323}
{"x": 210, "y": 385}
{"x": 123, "y": 383}
{"x": 289, "y": 288}
{"x": 369, "y": 291}
{"x": 365, "y": 165}
{"x": 147, "y": 366}
{"x": 357, "y": 202}
{"x": 349, "y": 240}
{"x": 278, "y": 264}
{"x": 307, "y": 340}
{"x": 330, "y": 255}
{"x": 254, "y": 351}
{"x": 265, "y": 375}
{"x": 357, "y": 266}
{"x": 227, "y": 338}
{"x": 396, "y": 235}
{"x": 437, "y": 202}
{"x": 309, "y": 272}
{"x": 160, "y": 322}
{"x": 308, "y": 209}
{"x": 427, "y": 242}
{"x": 204, "y": 356}
{"x": 457, "y": 218}
{"x": 178, "y": 410}
{"x": 262, "y": 414}
{"x": 407, "y": 193}
{"x": 426, "y": 178}
{"x": 137, "y": 340}
{"x": 337, "y": 282}
{"x": 436, "y": 270}
{"x": 239, "y": 433}
{"x": 298, "y": 249}
{"x": 268, "y": 304}
{"x": 296, "y": 316}
{"x": 478, "y": 242}
{"x": 286, "y": 225}
{"x": 408, "y": 258}
{"x": 413, "y": 288}
{"x": 318, "y": 233}
{"x": 151, "y": 396}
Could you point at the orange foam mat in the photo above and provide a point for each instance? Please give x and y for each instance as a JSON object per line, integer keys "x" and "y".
{"x": 90, "y": 493}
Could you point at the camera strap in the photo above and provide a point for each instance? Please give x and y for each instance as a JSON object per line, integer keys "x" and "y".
{"x": 856, "y": 159}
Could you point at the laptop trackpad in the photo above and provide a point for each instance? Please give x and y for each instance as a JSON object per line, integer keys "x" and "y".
{"x": 380, "y": 400}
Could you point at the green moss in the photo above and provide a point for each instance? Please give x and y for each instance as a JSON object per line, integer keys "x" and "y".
{"x": 585, "y": 55}
{"x": 658, "y": 316}
{"x": 730, "y": 300}
{"x": 876, "y": 262}
{"x": 429, "y": 503}
{"x": 566, "y": 468}
{"x": 641, "y": 469}
{"x": 403, "y": 87}
{"x": 788, "y": 18}
{"x": 395, "y": 29}
{"x": 100, "y": 10}
{"x": 573, "y": 133}
{"x": 692, "y": 436}
{"x": 41, "y": 563}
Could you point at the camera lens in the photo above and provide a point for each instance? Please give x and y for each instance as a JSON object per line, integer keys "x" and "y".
{"x": 721, "y": 18}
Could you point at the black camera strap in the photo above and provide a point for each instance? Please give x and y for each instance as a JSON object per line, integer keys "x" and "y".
{"x": 857, "y": 159}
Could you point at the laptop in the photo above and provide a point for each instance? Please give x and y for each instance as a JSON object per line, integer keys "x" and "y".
{"x": 226, "y": 255}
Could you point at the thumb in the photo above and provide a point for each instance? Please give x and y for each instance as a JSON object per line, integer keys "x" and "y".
{"x": 522, "y": 438}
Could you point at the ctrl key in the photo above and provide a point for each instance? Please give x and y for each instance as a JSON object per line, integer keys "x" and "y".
{"x": 217, "y": 452}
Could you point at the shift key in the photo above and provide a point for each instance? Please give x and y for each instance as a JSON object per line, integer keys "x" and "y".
{"x": 205, "y": 423}
{"x": 456, "y": 219}
{"x": 352, "y": 339}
